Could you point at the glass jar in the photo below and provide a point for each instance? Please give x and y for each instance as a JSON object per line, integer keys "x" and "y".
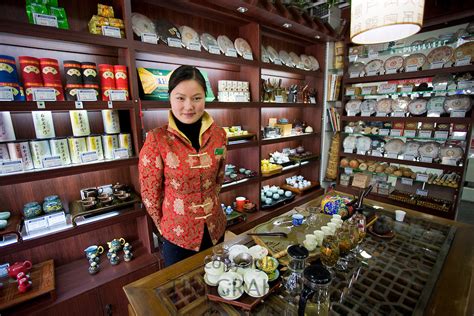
{"x": 52, "y": 204}
{"x": 329, "y": 251}
{"x": 314, "y": 299}
{"x": 294, "y": 283}
{"x": 32, "y": 209}
{"x": 314, "y": 219}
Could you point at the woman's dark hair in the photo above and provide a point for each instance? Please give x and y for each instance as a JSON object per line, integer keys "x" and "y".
{"x": 183, "y": 73}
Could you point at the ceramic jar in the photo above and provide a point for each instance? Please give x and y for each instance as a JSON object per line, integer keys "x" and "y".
{"x": 52, "y": 204}
{"x": 32, "y": 209}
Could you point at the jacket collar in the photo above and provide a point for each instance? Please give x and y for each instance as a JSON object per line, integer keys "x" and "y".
{"x": 206, "y": 123}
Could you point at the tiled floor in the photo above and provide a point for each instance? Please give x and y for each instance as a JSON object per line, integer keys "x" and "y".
{"x": 466, "y": 212}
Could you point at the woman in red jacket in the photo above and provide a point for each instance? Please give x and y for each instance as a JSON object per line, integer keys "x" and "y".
{"x": 181, "y": 171}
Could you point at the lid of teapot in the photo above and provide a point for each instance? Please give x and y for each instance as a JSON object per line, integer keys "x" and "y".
{"x": 317, "y": 274}
{"x": 298, "y": 252}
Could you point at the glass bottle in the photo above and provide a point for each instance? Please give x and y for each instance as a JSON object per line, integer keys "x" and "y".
{"x": 314, "y": 299}
{"x": 360, "y": 221}
{"x": 314, "y": 219}
{"x": 294, "y": 282}
{"x": 329, "y": 251}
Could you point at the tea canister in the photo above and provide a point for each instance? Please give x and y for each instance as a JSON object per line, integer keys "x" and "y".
{"x": 94, "y": 143}
{"x": 43, "y": 122}
{"x": 7, "y": 133}
{"x": 26, "y": 156}
{"x": 111, "y": 121}
{"x": 80, "y": 123}
{"x": 77, "y": 146}
{"x": 59, "y": 147}
{"x": 32, "y": 209}
{"x": 125, "y": 141}
{"x": 39, "y": 150}
{"x": 4, "y": 155}
{"x": 110, "y": 142}
{"x": 52, "y": 204}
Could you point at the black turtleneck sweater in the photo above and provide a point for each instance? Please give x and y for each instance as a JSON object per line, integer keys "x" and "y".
{"x": 190, "y": 130}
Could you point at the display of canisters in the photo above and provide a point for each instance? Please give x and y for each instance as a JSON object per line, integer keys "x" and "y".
{"x": 111, "y": 121}
{"x": 39, "y": 150}
{"x": 121, "y": 78}
{"x": 110, "y": 142}
{"x": 80, "y": 123}
{"x": 9, "y": 77}
{"x": 77, "y": 146}
{"x": 21, "y": 151}
{"x": 72, "y": 71}
{"x": 51, "y": 76}
{"x": 4, "y": 155}
{"x": 7, "y": 133}
{"x": 94, "y": 143}
{"x": 59, "y": 147}
{"x": 107, "y": 80}
{"x": 125, "y": 141}
{"x": 31, "y": 74}
{"x": 44, "y": 126}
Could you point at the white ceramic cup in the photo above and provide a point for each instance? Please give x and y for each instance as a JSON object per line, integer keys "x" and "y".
{"x": 213, "y": 278}
{"x": 337, "y": 221}
{"x": 310, "y": 244}
{"x": 319, "y": 234}
{"x": 336, "y": 216}
{"x": 332, "y": 225}
{"x": 311, "y": 238}
{"x": 326, "y": 230}
{"x": 214, "y": 268}
{"x": 400, "y": 215}
{"x": 256, "y": 282}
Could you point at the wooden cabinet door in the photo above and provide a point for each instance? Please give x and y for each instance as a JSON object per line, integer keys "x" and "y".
{"x": 84, "y": 304}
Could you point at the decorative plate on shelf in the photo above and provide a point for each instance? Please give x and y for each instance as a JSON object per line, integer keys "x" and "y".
{"x": 384, "y": 105}
{"x": 306, "y": 62}
{"x": 363, "y": 143}
{"x": 349, "y": 142}
{"x": 272, "y": 53}
{"x": 374, "y": 65}
{"x": 394, "y": 62}
{"x": 295, "y": 59}
{"x": 189, "y": 35}
{"x": 368, "y": 106}
{"x": 395, "y": 145}
{"x": 357, "y": 67}
{"x": 457, "y": 103}
{"x": 208, "y": 40}
{"x": 242, "y": 46}
{"x": 166, "y": 30}
{"x": 451, "y": 152}
{"x": 436, "y": 104}
{"x": 401, "y": 104}
{"x": 264, "y": 53}
{"x": 224, "y": 43}
{"x": 465, "y": 50}
{"x": 353, "y": 106}
{"x": 314, "y": 63}
{"x": 440, "y": 54}
{"x": 430, "y": 150}
{"x": 142, "y": 24}
{"x": 411, "y": 148}
{"x": 418, "y": 60}
{"x": 285, "y": 58}
{"x": 417, "y": 106}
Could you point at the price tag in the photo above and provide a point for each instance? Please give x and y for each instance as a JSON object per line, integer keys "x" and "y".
{"x": 41, "y": 105}
{"x": 411, "y": 68}
{"x": 194, "y": 46}
{"x": 398, "y": 114}
{"x": 354, "y": 74}
{"x": 367, "y": 90}
{"x": 86, "y": 95}
{"x": 465, "y": 84}
{"x": 279, "y": 99}
{"x": 433, "y": 113}
{"x": 421, "y": 177}
{"x": 45, "y": 20}
{"x": 214, "y": 49}
{"x": 174, "y": 42}
{"x": 396, "y": 132}
{"x": 149, "y": 38}
{"x": 360, "y": 152}
{"x": 437, "y": 65}
{"x": 440, "y": 93}
{"x": 78, "y": 105}
{"x": 452, "y": 86}
{"x": 392, "y": 155}
{"x": 376, "y": 153}
{"x": 350, "y": 92}
{"x": 409, "y": 133}
{"x": 441, "y": 134}
{"x": 89, "y": 156}
{"x": 373, "y": 54}
{"x": 380, "y": 114}
{"x": 277, "y": 61}
{"x": 231, "y": 52}
{"x": 51, "y": 162}
{"x": 387, "y": 88}
{"x": 348, "y": 150}
{"x": 465, "y": 61}
{"x": 407, "y": 181}
{"x": 247, "y": 56}
{"x": 312, "y": 100}
{"x": 427, "y": 94}
{"x": 11, "y": 166}
{"x": 410, "y": 157}
{"x": 348, "y": 170}
{"x": 56, "y": 219}
{"x": 110, "y": 104}
{"x": 421, "y": 192}
{"x": 426, "y": 159}
{"x": 118, "y": 95}
{"x": 372, "y": 73}
{"x": 351, "y": 113}
{"x": 6, "y": 94}
{"x": 391, "y": 71}
{"x": 352, "y": 58}
{"x": 111, "y": 31}
{"x": 36, "y": 224}
{"x": 44, "y": 94}
{"x": 120, "y": 153}
{"x": 457, "y": 113}
{"x": 384, "y": 132}
{"x": 449, "y": 161}
{"x": 365, "y": 113}
{"x": 440, "y": 86}
{"x": 425, "y": 134}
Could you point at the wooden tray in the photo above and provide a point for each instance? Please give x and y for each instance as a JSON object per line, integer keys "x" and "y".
{"x": 240, "y": 137}
{"x": 13, "y": 227}
{"x": 235, "y": 218}
{"x": 42, "y": 276}
{"x": 305, "y": 158}
{"x": 300, "y": 191}
{"x": 278, "y": 202}
{"x": 76, "y": 208}
{"x": 240, "y": 176}
{"x": 270, "y": 173}
{"x": 246, "y": 301}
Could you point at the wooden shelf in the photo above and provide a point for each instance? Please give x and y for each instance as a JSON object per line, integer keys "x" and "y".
{"x": 261, "y": 216}
{"x": 268, "y": 141}
{"x": 43, "y": 174}
{"x": 405, "y": 162}
{"x": 284, "y": 69}
{"x": 456, "y": 120}
{"x": 27, "y": 106}
{"x": 237, "y": 144}
{"x": 154, "y": 105}
{"x": 409, "y": 75}
{"x": 287, "y": 105}
{"x": 291, "y": 169}
{"x": 238, "y": 184}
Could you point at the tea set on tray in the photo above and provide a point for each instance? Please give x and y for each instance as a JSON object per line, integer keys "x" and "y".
{"x": 19, "y": 271}
{"x": 104, "y": 196}
{"x": 93, "y": 253}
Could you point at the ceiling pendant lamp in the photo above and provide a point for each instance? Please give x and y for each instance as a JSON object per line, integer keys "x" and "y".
{"x": 381, "y": 21}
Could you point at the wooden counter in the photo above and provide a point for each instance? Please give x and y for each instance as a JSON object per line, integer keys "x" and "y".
{"x": 452, "y": 294}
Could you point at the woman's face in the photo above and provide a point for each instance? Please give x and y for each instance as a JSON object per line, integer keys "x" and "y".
{"x": 187, "y": 101}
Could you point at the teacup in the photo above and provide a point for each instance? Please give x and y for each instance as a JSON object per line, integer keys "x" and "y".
{"x": 310, "y": 244}
{"x": 124, "y": 196}
{"x": 18, "y": 267}
{"x": 103, "y": 196}
{"x": 107, "y": 201}
{"x": 256, "y": 283}
{"x": 119, "y": 193}
{"x": 326, "y": 230}
{"x": 243, "y": 260}
{"x": 337, "y": 221}
{"x": 24, "y": 285}
{"x": 332, "y": 225}
{"x": 230, "y": 284}
{"x": 214, "y": 268}
{"x": 93, "y": 250}
{"x": 336, "y": 216}
{"x": 319, "y": 234}
{"x": 297, "y": 219}
{"x": 240, "y": 202}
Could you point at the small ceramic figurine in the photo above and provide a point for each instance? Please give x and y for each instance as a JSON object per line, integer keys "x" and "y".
{"x": 128, "y": 255}
{"x": 24, "y": 284}
{"x": 127, "y": 246}
{"x": 93, "y": 258}
{"x": 116, "y": 244}
{"x": 110, "y": 253}
{"x": 93, "y": 268}
{"x": 114, "y": 259}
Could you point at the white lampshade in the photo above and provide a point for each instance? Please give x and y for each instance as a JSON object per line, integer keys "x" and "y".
{"x": 380, "y": 21}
